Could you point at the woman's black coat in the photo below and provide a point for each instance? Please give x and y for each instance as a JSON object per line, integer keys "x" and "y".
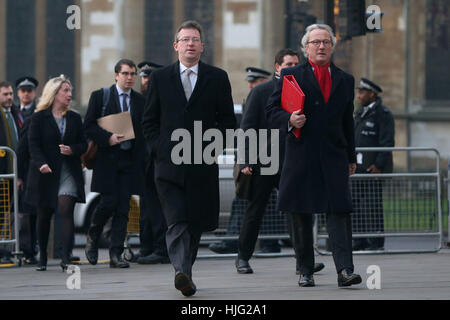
{"x": 44, "y": 139}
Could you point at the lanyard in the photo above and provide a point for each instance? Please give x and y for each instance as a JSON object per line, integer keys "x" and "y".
{"x": 63, "y": 124}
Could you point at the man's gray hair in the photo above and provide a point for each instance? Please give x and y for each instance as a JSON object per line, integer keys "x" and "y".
{"x": 312, "y": 27}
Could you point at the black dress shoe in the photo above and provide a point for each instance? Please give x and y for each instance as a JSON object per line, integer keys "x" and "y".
{"x": 317, "y": 267}
{"x": 41, "y": 268}
{"x": 184, "y": 283}
{"x": 346, "y": 278}
{"x": 222, "y": 247}
{"x": 153, "y": 258}
{"x": 74, "y": 259}
{"x": 91, "y": 251}
{"x": 243, "y": 266}
{"x": 30, "y": 261}
{"x": 117, "y": 262}
{"x": 306, "y": 280}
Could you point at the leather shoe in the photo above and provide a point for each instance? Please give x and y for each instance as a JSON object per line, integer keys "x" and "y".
{"x": 91, "y": 251}
{"x": 30, "y": 261}
{"x": 117, "y": 262}
{"x": 184, "y": 283}
{"x": 222, "y": 247}
{"x": 317, "y": 267}
{"x": 153, "y": 258}
{"x": 306, "y": 280}
{"x": 243, "y": 266}
{"x": 346, "y": 278}
{"x": 74, "y": 259}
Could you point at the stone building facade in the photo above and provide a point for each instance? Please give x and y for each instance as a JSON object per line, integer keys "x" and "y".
{"x": 410, "y": 59}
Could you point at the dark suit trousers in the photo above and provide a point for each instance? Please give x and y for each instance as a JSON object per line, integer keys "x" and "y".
{"x": 182, "y": 242}
{"x": 340, "y": 233}
{"x": 152, "y": 223}
{"x": 117, "y": 205}
{"x": 262, "y": 187}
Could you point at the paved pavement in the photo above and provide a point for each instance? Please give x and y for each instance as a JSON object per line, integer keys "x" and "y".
{"x": 403, "y": 276}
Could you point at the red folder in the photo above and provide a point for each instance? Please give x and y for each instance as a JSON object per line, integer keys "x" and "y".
{"x": 292, "y": 98}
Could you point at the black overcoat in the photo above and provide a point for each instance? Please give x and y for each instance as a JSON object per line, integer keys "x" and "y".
{"x": 104, "y": 177}
{"x": 167, "y": 110}
{"x": 44, "y": 139}
{"x": 315, "y": 174}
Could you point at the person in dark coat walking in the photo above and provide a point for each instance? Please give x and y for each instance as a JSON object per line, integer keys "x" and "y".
{"x": 316, "y": 168}
{"x": 374, "y": 127}
{"x": 26, "y": 91}
{"x": 119, "y": 165}
{"x": 186, "y": 95}
{"x": 55, "y": 179}
{"x": 262, "y": 185}
{"x": 152, "y": 224}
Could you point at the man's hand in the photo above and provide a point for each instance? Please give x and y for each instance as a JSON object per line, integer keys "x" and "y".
{"x": 248, "y": 171}
{"x": 45, "y": 169}
{"x": 373, "y": 169}
{"x": 297, "y": 120}
{"x": 115, "y": 139}
{"x": 65, "y": 150}
{"x": 20, "y": 184}
{"x": 352, "y": 168}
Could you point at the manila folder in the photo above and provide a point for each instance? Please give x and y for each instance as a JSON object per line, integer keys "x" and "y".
{"x": 119, "y": 123}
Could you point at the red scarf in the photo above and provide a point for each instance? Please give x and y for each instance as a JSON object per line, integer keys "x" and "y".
{"x": 323, "y": 78}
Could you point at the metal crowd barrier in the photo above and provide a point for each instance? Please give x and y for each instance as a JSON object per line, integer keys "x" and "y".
{"x": 7, "y": 236}
{"x": 401, "y": 206}
{"x": 411, "y": 205}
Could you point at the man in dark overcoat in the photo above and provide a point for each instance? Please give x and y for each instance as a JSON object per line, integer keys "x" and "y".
{"x": 316, "y": 168}
{"x": 119, "y": 165}
{"x": 180, "y": 94}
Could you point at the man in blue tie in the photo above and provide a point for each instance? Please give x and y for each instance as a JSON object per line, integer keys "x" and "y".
{"x": 118, "y": 169}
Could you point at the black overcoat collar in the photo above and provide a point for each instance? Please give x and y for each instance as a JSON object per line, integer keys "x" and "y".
{"x": 202, "y": 80}
{"x": 336, "y": 77}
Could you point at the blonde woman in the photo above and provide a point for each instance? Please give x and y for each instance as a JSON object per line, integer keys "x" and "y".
{"x": 55, "y": 177}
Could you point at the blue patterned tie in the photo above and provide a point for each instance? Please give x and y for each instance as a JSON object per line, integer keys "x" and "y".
{"x": 126, "y": 145}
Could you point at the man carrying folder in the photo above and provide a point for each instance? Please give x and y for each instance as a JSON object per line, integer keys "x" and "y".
{"x": 118, "y": 169}
{"x": 318, "y": 162}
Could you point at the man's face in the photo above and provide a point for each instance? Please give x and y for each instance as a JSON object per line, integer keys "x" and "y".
{"x": 6, "y": 97}
{"x": 144, "y": 82}
{"x": 26, "y": 96}
{"x": 288, "y": 62}
{"x": 126, "y": 77}
{"x": 365, "y": 97}
{"x": 319, "y": 54}
{"x": 189, "y": 46}
{"x": 252, "y": 84}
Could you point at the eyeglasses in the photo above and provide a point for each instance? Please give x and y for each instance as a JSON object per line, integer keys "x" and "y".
{"x": 127, "y": 74}
{"x": 187, "y": 40}
{"x": 316, "y": 43}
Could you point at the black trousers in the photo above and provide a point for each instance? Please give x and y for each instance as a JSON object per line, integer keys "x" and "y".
{"x": 367, "y": 196}
{"x": 117, "y": 205}
{"x": 152, "y": 223}
{"x": 262, "y": 187}
{"x": 28, "y": 235}
{"x": 340, "y": 232}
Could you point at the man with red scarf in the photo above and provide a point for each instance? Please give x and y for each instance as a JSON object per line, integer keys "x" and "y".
{"x": 317, "y": 166}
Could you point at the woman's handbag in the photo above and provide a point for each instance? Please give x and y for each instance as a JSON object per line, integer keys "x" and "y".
{"x": 88, "y": 158}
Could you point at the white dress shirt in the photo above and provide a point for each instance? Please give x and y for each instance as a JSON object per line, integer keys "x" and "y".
{"x": 194, "y": 74}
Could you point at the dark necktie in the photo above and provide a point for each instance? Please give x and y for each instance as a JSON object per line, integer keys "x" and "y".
{"x": 124, "y": 102}
{"x": 126, "y": 145}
